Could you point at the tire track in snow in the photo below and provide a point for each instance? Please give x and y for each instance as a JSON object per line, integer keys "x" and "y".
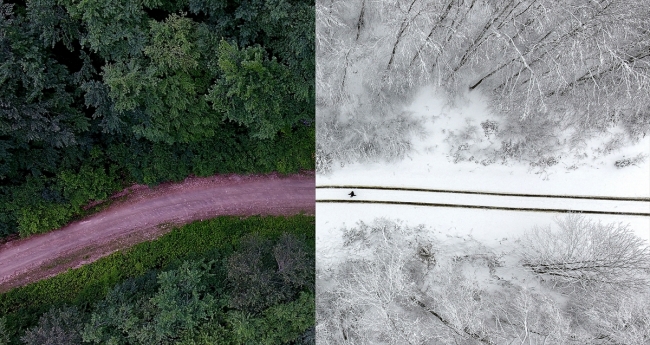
{"x": 626, "y": 206}
{"x": 614, "y": 198}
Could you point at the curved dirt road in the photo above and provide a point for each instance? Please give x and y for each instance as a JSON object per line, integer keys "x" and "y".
{"x": 138, "y": 218}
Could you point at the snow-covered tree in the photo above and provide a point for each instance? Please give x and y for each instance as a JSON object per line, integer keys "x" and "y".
{"x": 577, "y": 64}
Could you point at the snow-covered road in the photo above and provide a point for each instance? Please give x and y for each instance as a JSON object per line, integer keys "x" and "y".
{"x": 432, "y": 190}
{"x": 639, "y": 207}
{"x": 493, "y": 219}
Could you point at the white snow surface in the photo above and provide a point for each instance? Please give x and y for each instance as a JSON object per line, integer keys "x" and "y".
{"x": 429, "y": 166}
{"x": 577, "y": 205}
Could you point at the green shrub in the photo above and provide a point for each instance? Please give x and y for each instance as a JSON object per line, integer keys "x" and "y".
{"x": 278, "y": 324}
{"x": 43, "y": 204}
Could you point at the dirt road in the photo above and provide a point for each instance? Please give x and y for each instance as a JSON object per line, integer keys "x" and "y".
{"x": 139, "y": 216}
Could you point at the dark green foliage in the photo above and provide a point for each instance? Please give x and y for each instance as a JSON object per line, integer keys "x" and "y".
{"x": 208, "y": 241}
{"x": 174, "y": 289}
{"x": 294, "y": 262}
{"x": 252, "y": 276}
{"x": 115, "y": 30}
{"x": 95, "y": 95}
{"x": 4, "y": 334}
{"x": 279, "y": 324}
{"x": 152, "y": 163}
{"x": 35, "y": 105}
{"x": 58, "y": 326}
{"x": 43, "y": 204}
{"x": 51, "y": 22}
{"x": 288, "y": 26}
{"x": 180, "y": 303}
{"x": 262, "y": 275}
{"x": 283, "y": 322}
{"x": 168, "y": 83}
{"x": 87, "y": 184}
{"x": 257, "y": 92}
{"x": 308, "y": 337}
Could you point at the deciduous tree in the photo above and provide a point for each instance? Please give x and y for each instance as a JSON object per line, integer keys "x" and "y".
{"x": 584, "y": 254}
{"x": 58, "y": 326}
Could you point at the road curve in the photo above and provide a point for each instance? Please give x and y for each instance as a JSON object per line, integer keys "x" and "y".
{"x": 138, "y": 218}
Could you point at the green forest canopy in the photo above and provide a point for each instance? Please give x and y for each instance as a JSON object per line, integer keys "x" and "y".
{"x": 96, "y": 94}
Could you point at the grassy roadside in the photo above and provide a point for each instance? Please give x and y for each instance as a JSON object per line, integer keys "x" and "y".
{"x": 86, "y": 285}
{"x": 49, "y": 202}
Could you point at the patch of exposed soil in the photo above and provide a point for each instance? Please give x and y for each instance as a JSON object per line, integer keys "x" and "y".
{"x": 136, "y": 218}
